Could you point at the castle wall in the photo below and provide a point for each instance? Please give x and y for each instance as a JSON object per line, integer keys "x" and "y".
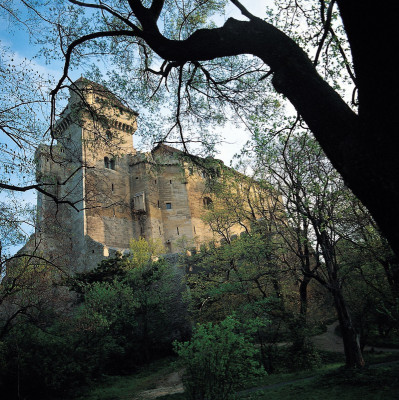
{"x": 116, "y": 193}
{"x": 108, "y": 214}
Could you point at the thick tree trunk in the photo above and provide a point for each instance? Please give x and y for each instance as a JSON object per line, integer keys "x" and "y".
{"x": 353, "y": 354}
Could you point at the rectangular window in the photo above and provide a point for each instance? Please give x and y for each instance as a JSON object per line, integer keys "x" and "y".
{"x": 168, "y": 206}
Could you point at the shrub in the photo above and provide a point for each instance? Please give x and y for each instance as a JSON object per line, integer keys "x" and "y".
{"x": 217, "y": 359}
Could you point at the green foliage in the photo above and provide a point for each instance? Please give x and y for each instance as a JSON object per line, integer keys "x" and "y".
{"x": 303, "y": 357}
{"x": 218, "y": 358}
{"x": 142, "y": 252}
{"x": 242, "y": 276}
{"x": 127, "y": 312}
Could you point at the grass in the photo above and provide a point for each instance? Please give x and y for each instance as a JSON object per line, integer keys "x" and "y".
{"x": 332, "y": 381}
{"x": 126, "y": 387}
{"x": 329, "y": 382}
{"x": 370, "y": 384}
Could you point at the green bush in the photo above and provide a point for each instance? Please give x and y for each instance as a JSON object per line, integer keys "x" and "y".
{"x": 218, "y": 359}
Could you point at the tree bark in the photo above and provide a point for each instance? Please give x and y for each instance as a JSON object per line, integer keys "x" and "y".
{"x": 353, "y": 354}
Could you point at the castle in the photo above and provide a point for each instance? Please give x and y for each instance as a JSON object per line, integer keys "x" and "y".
{"x": 103, "y": 192}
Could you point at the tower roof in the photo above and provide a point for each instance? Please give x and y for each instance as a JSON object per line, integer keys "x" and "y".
{"x": 96, "y": 88}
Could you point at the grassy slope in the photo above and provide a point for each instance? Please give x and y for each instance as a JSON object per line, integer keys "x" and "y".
{"x": 371, "y": 384}
{"x": 328, "y": 383}
{"x": 125, "y": 387}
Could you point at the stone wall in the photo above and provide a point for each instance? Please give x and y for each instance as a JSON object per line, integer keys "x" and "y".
{"x": 116, "y": 193}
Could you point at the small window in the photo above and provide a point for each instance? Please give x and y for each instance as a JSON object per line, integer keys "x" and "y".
{"x": 112, "y": 187}
{"x": 106, "y": 162}
{"x": 177, "y": 230}
{"x": 207, "y": 201}
{"x": 168, "y": 206}
{"x": 158, "y": 204}
{"x": 112, "y": 164}
{"x": 170, "y": 182}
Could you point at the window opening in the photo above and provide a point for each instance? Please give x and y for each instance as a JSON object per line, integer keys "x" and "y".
{"x": 207, "y": 201}
{"x": 168, "y": 206}
{"x": 112, "y": 187}
{"x": 177, "y": 229}
{"x": 106, "y": 162}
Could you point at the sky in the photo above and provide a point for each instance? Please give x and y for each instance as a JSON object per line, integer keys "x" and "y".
{"x": 19, "y": 44}
{"x": 21, "y": 47}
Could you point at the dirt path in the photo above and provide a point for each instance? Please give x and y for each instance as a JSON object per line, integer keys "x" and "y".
{"x": 331, "y": 342}
{"x": 169, "y": 384}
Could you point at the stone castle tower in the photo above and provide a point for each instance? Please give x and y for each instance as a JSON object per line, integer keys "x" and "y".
{"x": 104, "y": 192}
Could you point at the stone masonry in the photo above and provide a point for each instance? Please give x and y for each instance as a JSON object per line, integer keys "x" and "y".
{"x": 108, "y": 193}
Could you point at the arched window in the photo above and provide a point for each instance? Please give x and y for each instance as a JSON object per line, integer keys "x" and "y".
{"x": 106, "y": 162}
{"x": 112, "y": 163}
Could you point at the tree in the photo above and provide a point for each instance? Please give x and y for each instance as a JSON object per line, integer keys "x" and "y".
{"x": 358, "y": 143}
{"x": 134, "y": 302}
{"x": 318, "y": 207}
